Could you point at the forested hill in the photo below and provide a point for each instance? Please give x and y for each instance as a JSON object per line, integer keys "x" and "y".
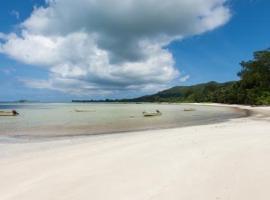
{"x": 206, "y": 92}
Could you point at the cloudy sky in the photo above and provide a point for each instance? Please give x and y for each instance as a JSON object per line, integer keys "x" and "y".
{"x": 55, "y": 50}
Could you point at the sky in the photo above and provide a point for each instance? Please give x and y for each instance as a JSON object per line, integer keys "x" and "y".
{"x": 58, "y": 50}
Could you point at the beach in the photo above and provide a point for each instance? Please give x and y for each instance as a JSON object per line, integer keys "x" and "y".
{"x": 228, "y": 160}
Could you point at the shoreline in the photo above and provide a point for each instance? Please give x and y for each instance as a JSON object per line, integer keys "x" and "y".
{"x": 228, "y": 160}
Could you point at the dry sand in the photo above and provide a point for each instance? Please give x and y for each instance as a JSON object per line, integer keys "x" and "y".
{"x": 229, "y": 160}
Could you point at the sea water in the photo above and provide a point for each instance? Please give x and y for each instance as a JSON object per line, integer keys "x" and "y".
{"x": 63, "y": 119}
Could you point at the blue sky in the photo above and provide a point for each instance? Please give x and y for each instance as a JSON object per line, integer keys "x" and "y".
{"x": 210, "y": 56}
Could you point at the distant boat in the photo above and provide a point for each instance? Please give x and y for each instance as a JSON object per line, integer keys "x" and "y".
{"x": 8, "y": 113}
{"x": 77, "y": 110}
{"x": 157, "y": 113}
{"x": 189, "y": 109}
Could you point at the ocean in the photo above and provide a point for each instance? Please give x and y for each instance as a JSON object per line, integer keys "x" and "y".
{"x": 38, "y": 120}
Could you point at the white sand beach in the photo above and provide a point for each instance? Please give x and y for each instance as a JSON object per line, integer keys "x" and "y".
{"x": 223, "y": 161}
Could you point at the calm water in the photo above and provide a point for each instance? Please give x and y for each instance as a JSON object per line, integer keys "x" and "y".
{"x": 61, "y": 119}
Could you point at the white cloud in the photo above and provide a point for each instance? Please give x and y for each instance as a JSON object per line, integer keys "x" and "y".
{"x": 92, "y": 46}
{"x": 184, "y": 78}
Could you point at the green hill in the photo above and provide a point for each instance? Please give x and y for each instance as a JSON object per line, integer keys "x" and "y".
{"x": 206, "y": 92}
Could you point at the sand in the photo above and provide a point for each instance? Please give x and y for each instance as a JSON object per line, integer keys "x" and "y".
{"x": 229, "y": 160}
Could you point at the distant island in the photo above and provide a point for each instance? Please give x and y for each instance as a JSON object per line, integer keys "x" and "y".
{"x": 253, "y": 88}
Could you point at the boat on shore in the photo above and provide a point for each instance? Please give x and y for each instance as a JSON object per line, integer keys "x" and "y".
{"x": 153, "y": 114}
{"x": 8, "y": 113}
{"x": 189, "y": 109}
{"x": 77, "y": 110}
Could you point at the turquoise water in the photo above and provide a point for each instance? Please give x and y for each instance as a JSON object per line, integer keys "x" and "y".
{"x": 61, "y": 119}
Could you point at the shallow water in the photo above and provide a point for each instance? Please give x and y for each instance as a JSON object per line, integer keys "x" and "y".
{"x": 61, "y": 119}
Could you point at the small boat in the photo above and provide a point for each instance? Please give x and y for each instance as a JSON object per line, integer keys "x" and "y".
{"x": 189, "y": 109}
{"x": 8, "y": 113}
{"x": 76, "y": 110}
{"x": 157, "y": 113}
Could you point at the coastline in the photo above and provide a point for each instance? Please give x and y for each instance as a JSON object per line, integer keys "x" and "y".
{"x": 227, "y": 160}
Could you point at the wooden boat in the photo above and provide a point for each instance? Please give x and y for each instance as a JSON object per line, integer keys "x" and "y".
{"x": 189, "y": 109}
{"x": 157, "y": 113}
{"x": 8, "y": 113}
{"x": 77, "y": 110}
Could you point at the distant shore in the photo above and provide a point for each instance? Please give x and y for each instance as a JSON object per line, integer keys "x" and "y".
{"x": 228, "y": 160}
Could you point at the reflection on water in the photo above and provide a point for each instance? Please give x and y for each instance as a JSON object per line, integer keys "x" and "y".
{"x": 62, "y": 119}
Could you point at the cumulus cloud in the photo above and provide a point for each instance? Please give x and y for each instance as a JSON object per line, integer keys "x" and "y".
{"x": 92, "y": 46}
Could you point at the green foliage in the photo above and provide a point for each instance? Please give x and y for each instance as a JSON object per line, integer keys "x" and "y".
{"x": 207, "y": 92}
{"x": 255, "y": 79}
{"x": 264, "y": 99}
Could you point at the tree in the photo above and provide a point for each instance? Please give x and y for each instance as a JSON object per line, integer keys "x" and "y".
{"x": 255, "y": 79}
